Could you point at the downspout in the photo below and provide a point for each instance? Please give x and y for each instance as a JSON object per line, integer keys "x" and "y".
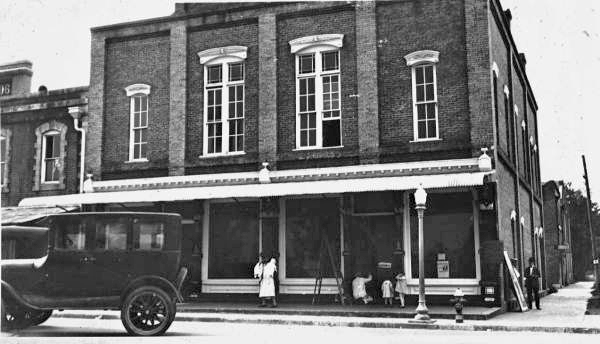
{"x": 77, "y": 112}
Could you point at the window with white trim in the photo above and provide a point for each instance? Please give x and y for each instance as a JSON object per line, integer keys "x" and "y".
{"x": 224, "y": 88}
{"x": 318, "y": 91}
{"x": 138, "y": 121}
{"x": 51, "y": 155}
{"x": 3, "y": 159}
{"x": 424, "y": 94}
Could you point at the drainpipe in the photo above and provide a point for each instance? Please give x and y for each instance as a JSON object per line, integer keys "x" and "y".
{"x": 77, "y": 113}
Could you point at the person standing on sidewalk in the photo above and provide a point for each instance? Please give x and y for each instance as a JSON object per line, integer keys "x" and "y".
{"x": 267, "y": 283}
{"x": 532, "y": 275}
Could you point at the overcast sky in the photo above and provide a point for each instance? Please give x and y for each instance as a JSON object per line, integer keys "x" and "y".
{"x": 560, "y": 38}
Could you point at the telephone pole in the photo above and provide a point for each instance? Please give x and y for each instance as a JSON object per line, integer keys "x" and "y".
{"x": 589, "y": 218}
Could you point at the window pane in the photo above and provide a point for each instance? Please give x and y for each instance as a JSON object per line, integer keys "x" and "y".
{"x": 330, "y": 61}
{"x": 331, "y": 133}
{"x": 429, "y": 74}
{"x": 430, "y": 92}
{"x": 218, "y": 145}
{"x": 233, "y": 239}
{"x": 136, "y": 120}
{"x": 136, "y": 151}
{"x": 136, "y": 104}
{"x": 431, "y": 128}
{"x": 214, "y": 74}
{"x": 236, "y": 71}
{"x": 144, "y": 150}
{"x": 240, "y": 143}
{"x": 419, "y": 75}
{"x": 306, "y": 219}
{"x": 312, "y": 137}
{"x": 240, "y": 109}
{"x": 144, "y": 119}
{"x": 311, "y": 103}
{"x": 431, "y": 110}
{"x": 420, "y": 93}
{"x": 144, "y": 103}
{"x": 136, "y": 135}
{"x": 311, "y": 85}
{"x": 49, "y": 145}
{"x": 51, "y": 174}
{"x": 421, "y": 111}
{"x": 70, "y": 235}
{"x": 303, "y": 138}
{"x": 111, "y": 235}
{"x": 56, "y": 146}
{"x": 3, "y": 149}
{"x": 148, "y": 235}
{"x": 422, "y": 131}
{"x": 448, "y": 229}
{"x": 306, "y": 63}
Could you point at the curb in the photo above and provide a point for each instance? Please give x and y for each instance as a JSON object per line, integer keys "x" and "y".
{"x": 364, "y": 324}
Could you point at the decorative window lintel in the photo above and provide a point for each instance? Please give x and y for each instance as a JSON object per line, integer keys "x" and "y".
{"x": 235, "y": 51}
{"x": 137, "y": 88}
{"x": 422, "y": 56}
{"x": 495, "y": 69}
{"x": 335, "y": 40}
{"x": 506, "y": 90}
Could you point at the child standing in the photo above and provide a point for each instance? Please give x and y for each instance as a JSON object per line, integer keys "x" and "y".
{"x": 387, "y": 292}
{"x": 401, "y": 288}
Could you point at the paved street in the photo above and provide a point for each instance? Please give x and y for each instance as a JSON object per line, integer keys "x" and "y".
{"x": 62, "y": 330}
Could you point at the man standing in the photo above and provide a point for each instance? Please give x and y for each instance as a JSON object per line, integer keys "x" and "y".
{"x": 532, "y": 275}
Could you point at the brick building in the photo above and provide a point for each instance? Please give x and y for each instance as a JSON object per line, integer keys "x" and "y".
{"x": 40, "y": 146}
{"x": 557, "y": 236}
{"x": 271, "y": 125}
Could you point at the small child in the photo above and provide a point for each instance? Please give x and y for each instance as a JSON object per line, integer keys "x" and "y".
{"x": 387, "y": 292}
{"x": 401, "y": 288}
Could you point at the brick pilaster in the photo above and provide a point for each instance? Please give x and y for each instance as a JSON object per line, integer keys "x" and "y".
{"x": 366, "y": 66}
{"x": 177, "y": 99}
{"x": 93, "y": 147}
{"x": 267, "y": 88}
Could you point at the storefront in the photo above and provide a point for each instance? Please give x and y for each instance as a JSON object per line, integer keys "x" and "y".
{"x": 365, "y": 212}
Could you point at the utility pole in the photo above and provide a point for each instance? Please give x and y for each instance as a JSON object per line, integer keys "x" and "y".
{"x": 589, "y": 217}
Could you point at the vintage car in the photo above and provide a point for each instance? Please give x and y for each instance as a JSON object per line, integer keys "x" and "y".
{"x": 113, "y": 260}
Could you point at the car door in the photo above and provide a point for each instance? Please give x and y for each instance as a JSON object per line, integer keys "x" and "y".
{"x": 109, "y": 267}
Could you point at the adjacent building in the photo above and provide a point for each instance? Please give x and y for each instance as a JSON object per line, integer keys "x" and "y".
{"x": 557, "y": 236}
{"x": 270, "y": 126}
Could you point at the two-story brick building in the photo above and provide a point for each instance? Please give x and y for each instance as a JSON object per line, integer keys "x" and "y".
{"x": 269, "y": 125}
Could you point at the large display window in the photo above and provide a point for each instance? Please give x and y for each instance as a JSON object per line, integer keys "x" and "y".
{"x": 448, "y": 236}
{"x": 233, "y": 239}
{"x": 306, "y": 221}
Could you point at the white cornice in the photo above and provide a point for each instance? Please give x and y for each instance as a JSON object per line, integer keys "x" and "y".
{"x": 235, "y": 51}
{"x": 335, "y": 40}
{"x": 422, "y": 56}
{"x": 137, "y": 88}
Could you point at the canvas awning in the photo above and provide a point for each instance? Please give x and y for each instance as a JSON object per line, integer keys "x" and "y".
{"x": 430, "y": 181}
{"x": 25, "y": 214}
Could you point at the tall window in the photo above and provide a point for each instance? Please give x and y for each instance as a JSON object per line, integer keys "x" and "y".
{"x": 318, "y": 90}
{"x": 224, "y": 79}
{"x": 509, "y": 123}
{"x": 496, "y": 114}
{"x": 3, "y": 159}
{"x": 51, "y": 153}
{"x": 424, "y": 94}
{"x": 138, "y": 121}
{"x": 525, "y": 144}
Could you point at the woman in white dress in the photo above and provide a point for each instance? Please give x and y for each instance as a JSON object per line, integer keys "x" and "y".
{"x": 267, "y": 283}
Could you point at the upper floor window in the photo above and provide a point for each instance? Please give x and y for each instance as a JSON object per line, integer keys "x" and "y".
{"x": 495, "y": 73}
{"x": 50, "y": 156}
{"x": 510, "y": 123}
{"x": 318, "y": 91}
{"x": 424, "y": 94}
{"x": 51, "y": 153}
{"x": 138, "y": 121}
{"x": 224, "y": 79}
{"x": 4, "y": 156}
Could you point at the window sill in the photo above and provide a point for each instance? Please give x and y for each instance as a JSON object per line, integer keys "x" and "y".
{"x": 221, "y": 155}
{"x": 136, "y": 161}
{"x": 425, "y": 140}
{"x": 316, "y": 148}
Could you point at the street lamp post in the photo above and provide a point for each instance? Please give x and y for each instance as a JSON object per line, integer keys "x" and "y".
{"x": 422, "y": 315}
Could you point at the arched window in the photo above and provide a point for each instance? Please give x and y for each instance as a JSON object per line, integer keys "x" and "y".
{"x": 50, "y": 156}
{"x": 138, "y": 121}
{"x": 224, "y": 75}
{"x": 424, "y": 94}
{"x": 318, "y": 91}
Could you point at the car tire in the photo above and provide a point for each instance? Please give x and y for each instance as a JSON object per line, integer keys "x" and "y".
{"x": 145, "y": 305}
{"x": 38, "y": 318}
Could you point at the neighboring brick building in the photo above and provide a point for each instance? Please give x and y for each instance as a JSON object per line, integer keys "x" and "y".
{"x": 40, "y": 147}
{"x": 557, "y": 236}
{"x": 352, "y": 105}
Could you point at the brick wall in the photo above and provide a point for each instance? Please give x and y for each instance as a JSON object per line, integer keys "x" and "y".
{"x": 129, "y": 61}
{"x": 506, "y": 200}
{"x": 405, "y": 27}
{"x": 499, "y": 55}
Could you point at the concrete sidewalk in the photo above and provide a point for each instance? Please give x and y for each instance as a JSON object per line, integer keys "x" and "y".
{"x": 562, "y": 312}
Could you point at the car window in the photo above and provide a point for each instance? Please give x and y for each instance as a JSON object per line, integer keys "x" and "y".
{"x": 111, "y": 234}
{"x": 148, "y": 235}
{"x": 70, "y": 236}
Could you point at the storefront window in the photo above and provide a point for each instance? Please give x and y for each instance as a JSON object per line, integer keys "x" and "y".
{"x": 306, "y": 221}
{"x": 233, "y": 239}
{"x": 448, "y": 236}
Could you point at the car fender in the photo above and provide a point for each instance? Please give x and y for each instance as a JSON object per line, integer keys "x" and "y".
{"x": 159, "y": 281}
{"x": 10, "y": 293}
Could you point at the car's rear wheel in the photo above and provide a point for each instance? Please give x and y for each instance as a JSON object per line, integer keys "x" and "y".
{"x": 37, "y": 318}
{"x": 147, "y": 311}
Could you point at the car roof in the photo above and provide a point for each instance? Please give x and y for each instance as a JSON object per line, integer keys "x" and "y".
{"x": 131, "y": 213}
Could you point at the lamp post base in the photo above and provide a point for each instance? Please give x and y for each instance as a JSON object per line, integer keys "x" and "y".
{"x": 422, "y": 316}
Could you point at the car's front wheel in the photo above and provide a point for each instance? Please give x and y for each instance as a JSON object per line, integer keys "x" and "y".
{"x": 147, "y": 311}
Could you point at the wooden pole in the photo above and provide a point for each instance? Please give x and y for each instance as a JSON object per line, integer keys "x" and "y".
{"x": 589, "y": 217}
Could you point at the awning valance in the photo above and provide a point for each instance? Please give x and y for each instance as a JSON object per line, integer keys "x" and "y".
{"x": 22, "y": 214}
{"x": 433, "y": 181}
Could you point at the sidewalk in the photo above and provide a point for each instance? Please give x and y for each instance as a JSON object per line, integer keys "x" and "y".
{"x": 562, "y": 312}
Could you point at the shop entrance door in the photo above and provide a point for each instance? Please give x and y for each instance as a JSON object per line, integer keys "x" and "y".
{"x": 376, "y": 243}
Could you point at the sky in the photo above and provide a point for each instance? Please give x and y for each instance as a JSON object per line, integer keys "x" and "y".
{"x": 560, "y": 39}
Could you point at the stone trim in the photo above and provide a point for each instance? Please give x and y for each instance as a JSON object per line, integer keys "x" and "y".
{"x": 137, "y": 89}
{"x": 334, "y": 40}
{"x": 7, "y": 135}
{"x": 234, "y": 51}
{"x": 40, "y": 131}
{"x": 422, "y": 56}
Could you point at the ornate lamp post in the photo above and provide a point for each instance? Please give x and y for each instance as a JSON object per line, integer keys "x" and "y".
{"x": 422, "y": 311}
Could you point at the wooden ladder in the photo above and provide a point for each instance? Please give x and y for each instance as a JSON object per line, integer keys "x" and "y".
{"x": 326, "y": 246}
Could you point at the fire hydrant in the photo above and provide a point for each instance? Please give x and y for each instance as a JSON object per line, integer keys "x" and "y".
{"x": 458, "y": 300}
